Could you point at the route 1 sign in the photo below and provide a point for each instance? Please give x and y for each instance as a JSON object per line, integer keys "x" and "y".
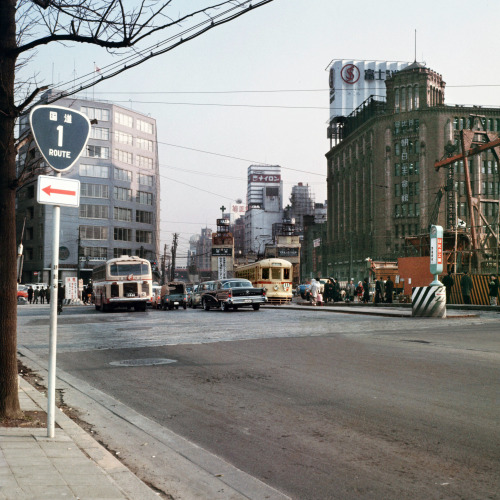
{"x": 58, "y": 191}
{"x": 60, "y": 133}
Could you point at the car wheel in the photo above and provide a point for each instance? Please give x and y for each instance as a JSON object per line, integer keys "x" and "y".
{"x": 206, "y": 305}
{"x": 193, "y": 306}
{"x": 184, "y": 306}
{"x": 256, "y": 307}
{"x": 224, "y": 306}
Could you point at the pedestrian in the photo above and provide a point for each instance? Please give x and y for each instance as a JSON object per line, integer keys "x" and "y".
{"x": 466, "y": 285}
{"x": 493, "y": 286}
{"x": 336, "y": 290}
{"x": 42, "y": 295}
{"x": 350, "y": 290}
{"x": 314, "y": 291}
{"x": 359, "y": 291}
{"x": 389, "y": 289}
{"x": 328, "y": 291}
{"x": 30, "y": 294}
{"x": 36, "y": 294}
{"x": 378, "y": 291}
{"x": 448, "y": 283}
{"x": 366, "y": 291}
{"x": 47, "y": 294}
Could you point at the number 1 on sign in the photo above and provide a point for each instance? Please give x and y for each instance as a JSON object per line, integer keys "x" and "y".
{"x": 60, "y": 136}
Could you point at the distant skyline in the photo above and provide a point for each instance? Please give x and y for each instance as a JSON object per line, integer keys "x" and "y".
{"x": 256, "y": 90}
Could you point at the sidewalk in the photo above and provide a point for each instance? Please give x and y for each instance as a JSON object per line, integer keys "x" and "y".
{"x": 70, "y": 465}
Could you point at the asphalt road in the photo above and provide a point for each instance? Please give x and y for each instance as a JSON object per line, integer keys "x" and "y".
{"x": 316, "y": 404}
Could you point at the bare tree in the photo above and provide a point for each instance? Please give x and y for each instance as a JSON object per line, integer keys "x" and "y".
{"x": 26, "y": 25}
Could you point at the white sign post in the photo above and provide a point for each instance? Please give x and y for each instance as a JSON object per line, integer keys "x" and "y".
{"x": 61, "y": 134}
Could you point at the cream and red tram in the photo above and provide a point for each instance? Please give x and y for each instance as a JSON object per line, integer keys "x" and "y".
{"x": 274, "y": 275}
{"x": 122, "y": 282}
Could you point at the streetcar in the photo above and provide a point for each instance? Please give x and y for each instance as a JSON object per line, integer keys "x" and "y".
{"x": 122, "y": 282}
{"x": 274, "y": 275}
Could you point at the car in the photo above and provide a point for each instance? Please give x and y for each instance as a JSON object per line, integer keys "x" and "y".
{"x": 303, "y": 290}
{"x": 194, "y": 300}
{"x": 155, "y": 297}
{"x": 22, "y": 294}
{"x": 173, "y": 294}
{"x": 232, "y": 293}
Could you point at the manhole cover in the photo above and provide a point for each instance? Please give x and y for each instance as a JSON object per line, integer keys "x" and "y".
{"x": 143, "y": 362}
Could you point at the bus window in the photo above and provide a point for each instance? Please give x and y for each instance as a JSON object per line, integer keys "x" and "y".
{"x": 276, "y": 273}
{"x": 265, "y": 273}
{"x": 286, "y": 274}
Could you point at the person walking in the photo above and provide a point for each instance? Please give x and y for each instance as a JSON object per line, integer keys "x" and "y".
{"x": 36, "y": 295}
{"x": 359, "y": 291}
{"x": 328, "y": 291}
{"x": 448, "y": 283}
{"x": 378, "y": 291}
{"x": 350, "y": 291}
{"x": 366, "y": 291}
{"x": 466, "y": 285}
{"x": 493, "y": 286}
{"x": 389, "y": 289}
{"x": 47, "y": 294}
{"x": 314, "y": 291}
{"x": 42, "y": 295}
{"x": 30, "y": 294}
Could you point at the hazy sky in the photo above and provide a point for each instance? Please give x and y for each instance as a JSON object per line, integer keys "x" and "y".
{"x": 256, "y": 89}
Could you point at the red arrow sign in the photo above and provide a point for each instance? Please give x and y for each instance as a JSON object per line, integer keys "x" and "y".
{"x": 49, "y": 191}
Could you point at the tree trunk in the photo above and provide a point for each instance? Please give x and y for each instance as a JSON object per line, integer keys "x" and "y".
{"x": 9, "y": 398}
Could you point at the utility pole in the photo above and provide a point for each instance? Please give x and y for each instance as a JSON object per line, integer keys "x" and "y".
{"x": 174, "y": 252}
{"x": 164, "y": 265}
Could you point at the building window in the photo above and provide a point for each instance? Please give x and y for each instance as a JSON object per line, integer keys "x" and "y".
{"x": 94, "y": 171}
{"x": 123, "y": 214}
{"x": 121, "y": 174}
{"x": 99, "y": 133}
{"x": 397, "y": 190}
{"x": 92, "y": 151}
{"x": 100, "y": 253}
{"x": 397, "y": 210}
{"x": 94, "y": 190}
{"x": 397, "y": 149}
{"x": 124, "y": 119}
{"x": 123, "y": 137}
{"x": 93, "y": 233}
{"x": 94, "y": 212}
{"x": 143, "y": 236}
{"x": 118, "y": 252}
{"x": 403, "y": 99}
{"x": 144, "y": 162}
{"x": 145, "y": 144}
{"x": 396, "y": 100}
{"x": 144, "y": 126}
{"x": 122, "y": 194}
{"x": 98, "y": 114}
{"x": 146, "y": 180}
{"x": 410, "y": 98}
{"x": 122, "y": 234}
{"x": 397, "y": 170}
{"x": 123, "y": 156}
{"x": 144, "y": 217}
{"x": 144, "y": 198}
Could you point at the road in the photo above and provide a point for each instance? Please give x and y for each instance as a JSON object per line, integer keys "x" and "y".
{"x": 315, "y": 404}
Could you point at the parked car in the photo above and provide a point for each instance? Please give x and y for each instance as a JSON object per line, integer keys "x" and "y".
{"x": 232, "y": 293}
{"x": 173, "y": 294}
{"x": 303, "y": 290}
{"x": 155, "y": 297}
{"x": 194, "y": 300}
{"x": 22, "y": 294}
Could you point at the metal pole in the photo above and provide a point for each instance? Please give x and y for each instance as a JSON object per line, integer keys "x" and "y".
{"x": 51, "y": 390}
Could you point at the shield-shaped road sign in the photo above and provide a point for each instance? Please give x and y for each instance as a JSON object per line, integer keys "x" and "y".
{"x": 60, "y": 133}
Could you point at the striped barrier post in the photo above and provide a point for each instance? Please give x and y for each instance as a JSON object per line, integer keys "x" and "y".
{"x": 428, "y": 302}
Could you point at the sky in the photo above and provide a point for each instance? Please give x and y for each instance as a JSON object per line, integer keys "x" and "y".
{"x": 255, "y": 90}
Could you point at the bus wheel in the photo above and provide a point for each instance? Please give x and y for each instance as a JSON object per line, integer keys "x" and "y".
{"x": 256, "y": 307}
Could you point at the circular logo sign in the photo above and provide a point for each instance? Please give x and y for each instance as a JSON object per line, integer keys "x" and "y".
{"x": 350, "y": 73}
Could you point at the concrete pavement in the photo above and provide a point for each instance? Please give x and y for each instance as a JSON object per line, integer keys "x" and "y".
{"x": 70, "y": 465}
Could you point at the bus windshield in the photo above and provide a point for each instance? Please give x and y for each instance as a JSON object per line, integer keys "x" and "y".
{"x": 122, "y": 269}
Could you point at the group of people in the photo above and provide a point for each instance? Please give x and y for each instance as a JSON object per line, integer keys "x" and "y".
{"x": 38, "y": 294}
{"x": 332, "y": 291}
{"x": 466, "y": 286}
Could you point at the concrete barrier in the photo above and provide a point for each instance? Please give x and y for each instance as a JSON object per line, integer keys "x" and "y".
{"x": 428, "y": 302}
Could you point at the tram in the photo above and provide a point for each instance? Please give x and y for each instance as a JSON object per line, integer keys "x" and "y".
{"x": 274, "y": 275}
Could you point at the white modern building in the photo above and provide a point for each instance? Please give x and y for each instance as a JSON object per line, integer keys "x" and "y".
{"x": 265, "y": 206}
{"x": 119, "y": 198}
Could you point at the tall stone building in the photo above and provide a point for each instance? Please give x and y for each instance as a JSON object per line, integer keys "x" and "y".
{"x": 119, "y": 199}
{"x": 382, "y": 184}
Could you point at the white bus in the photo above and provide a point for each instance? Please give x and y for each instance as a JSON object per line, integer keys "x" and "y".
{"x": 122, "y": 282}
